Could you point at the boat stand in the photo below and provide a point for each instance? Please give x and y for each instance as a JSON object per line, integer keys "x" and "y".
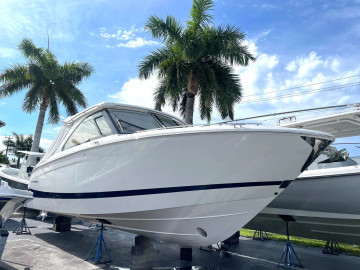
{"x": 332, "y": 248}
{"x": 99, "y": 251}
{"x": 260, "y": 235}
{"x": 289, "y": 253}
{"x": 22, "y": 227}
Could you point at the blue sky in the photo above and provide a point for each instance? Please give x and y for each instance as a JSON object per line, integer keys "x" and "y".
{"x": 296, "y": 43}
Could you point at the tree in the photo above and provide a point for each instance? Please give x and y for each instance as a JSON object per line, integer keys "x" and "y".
{"x": 21, "y": 143}
{"x": 3, "y": 158}
{"x": 49, "y": 84}
{"x": 196, "y": 61}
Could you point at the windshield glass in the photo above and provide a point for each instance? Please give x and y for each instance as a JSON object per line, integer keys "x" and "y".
{"x": 132, "y": 121}
{"x": 90, "y": 129}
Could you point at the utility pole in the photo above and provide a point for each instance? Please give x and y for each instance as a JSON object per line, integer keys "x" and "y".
{"x": 7, "y": 147}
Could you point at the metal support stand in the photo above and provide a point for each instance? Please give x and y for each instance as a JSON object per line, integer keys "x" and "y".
{"x": 289, "y": 252}
{"x": 332, "y": 248}
{"x": 99, "y": 243}
{"x": 260, "y": 235}
{"x": 22, "y": 227}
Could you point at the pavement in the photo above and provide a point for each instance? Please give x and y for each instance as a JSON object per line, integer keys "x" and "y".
{"x": 46, "y": 249}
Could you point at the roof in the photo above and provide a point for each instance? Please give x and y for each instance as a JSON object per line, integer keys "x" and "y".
{"x": 34, "y": 154}
{"x": 341, "y": 125}
{"x": 109, "y": 105}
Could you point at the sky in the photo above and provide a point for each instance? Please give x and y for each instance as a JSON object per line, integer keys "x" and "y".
{"x": 296, "y": 43}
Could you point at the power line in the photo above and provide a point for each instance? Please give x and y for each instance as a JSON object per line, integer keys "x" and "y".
{"x": 307, "y": 85}
{"x": 332, "y": 88}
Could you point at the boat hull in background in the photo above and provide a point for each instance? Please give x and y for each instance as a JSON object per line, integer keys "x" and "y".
{"x": 324, "y": 203}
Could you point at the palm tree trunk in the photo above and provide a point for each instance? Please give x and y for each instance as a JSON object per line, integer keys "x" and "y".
{"x": 39, "y": 127}
{"x": 18, "y": 163}
{"x": 191, "y": 91}
{"x": 189, "y": 110}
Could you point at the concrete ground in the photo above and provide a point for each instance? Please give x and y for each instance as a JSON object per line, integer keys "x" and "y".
{"x": 46, "y": 249}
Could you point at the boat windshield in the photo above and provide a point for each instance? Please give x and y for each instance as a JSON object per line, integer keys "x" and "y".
{"x": 132, "y": 121}
{"x": 93, "y": 127}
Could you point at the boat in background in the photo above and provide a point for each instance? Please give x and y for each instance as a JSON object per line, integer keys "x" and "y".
{"x": 19, "y": 178}
{"x": 11, "y": 200}
{"x": 324, "y": 200}
{"x": 147, "y": 172}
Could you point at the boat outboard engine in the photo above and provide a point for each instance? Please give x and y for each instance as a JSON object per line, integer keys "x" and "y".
{"x": 336, "y": 158}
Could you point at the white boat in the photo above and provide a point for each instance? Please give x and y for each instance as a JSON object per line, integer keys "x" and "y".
{"x": 19, "y": 178}
{"x": 146, "y": 172}
{"x": 324, "y": 200}
{"x": 11, "y": 200}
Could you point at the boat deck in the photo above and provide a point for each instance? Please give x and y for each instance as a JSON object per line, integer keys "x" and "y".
{"x": 46, "y": 249}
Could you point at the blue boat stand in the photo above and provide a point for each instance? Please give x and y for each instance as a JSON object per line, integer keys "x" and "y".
{"x": 289, "y": 260}
{"x": 99, "y": 251}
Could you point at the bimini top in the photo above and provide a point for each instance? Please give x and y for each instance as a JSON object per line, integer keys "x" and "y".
{"x": 341, "y": 125}
{"x": 2, "y": 123}
{"x": 108, "y": 105}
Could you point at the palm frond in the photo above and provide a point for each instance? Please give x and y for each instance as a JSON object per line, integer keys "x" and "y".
{"x": 15, "y": 80}
{"x": 50, "y": 65}
{"x": 152, "y": 61}
{"x": 32, "y": 98}
{"x": 160, "y": 96}
{"x": 10, "y": 88}
{"x": 168, "y": 30}
{"x": 29, "y": 50}
{"x": 54, "y": 115}
{"x": 199, "y": 16}
{"x": 193, "y": 47}
{"x": 70, "y": 96}
{"x": 75, "y": 72}
{"x": 34, "y": 72}
{"x": 228, "y": 92}
{"x": 225, "y": 44}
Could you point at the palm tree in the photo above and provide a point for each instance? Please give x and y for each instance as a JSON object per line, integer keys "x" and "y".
{"x": 49, "y": 83}
{"x": 21, "y": 143}
{"x": 196, "y": 61}
{"x": 3, "y": 158}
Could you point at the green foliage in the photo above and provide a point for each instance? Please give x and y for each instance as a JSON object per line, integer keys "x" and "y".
{"x": 202, "y": 50}
{"x": 3, "y": 158}
{"x": 48, "y": 82}
{"x": 20, "y": 143}
{"x": 350, "y": 249}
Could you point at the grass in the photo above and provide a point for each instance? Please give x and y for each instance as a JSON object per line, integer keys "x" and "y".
{"x": 347, "y": 248}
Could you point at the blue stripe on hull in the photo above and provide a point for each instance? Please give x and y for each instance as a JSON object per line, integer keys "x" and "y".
{"x": 151, "y": 191}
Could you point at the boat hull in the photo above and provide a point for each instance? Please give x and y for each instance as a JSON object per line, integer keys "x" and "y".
{"x": 325, "y": 206}
{"x": 203, "y": 186}
{"x": 9, "y": 175}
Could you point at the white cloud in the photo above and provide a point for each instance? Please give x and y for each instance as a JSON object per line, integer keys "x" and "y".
{"x": 139, "y": 92}
{"x": 251, "y": 74}
{"x": 45, "y": 143}
{"x": 8, "y": 53}
{"x": 53, "y": 130}
{"x": 128, "y": 35}
{"x": 36, "y": 17}
{"x": 291, "y": 66}
{"x": 136, "y": 43}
